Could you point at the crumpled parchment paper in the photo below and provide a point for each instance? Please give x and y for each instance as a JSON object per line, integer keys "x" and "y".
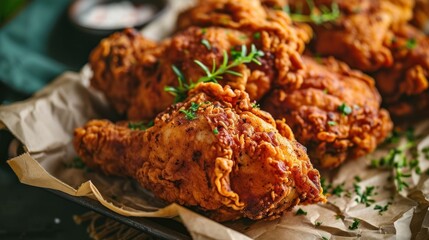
{"x": 44, "y": 124}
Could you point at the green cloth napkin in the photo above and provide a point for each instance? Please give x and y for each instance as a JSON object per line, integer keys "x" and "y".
{"x": 25, "y": 66}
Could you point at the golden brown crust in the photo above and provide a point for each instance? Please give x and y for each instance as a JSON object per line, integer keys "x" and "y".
{"x": 357, "y": 36}
{"x": 114, "y": 62}
{"x": 421, "y": 15}
{"x": 404, "y": 86}
{"x": 218, "y": 171}
{"x": 312, "y": 112}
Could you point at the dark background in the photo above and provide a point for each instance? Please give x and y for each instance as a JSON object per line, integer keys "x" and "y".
{"x": 27, "y": 212}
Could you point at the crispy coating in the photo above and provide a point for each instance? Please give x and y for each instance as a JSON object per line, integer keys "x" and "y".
{"x": 279, "y": 35}
{"x": 135, "y": 79}
{"x": 421, "y": 15}
{"x": 114, "y": 63}
{"x": 357, "y": 36}
{"x": 314, "y": 115}
{"x": 212, "y": 162}
{"x": 404, "y": 86}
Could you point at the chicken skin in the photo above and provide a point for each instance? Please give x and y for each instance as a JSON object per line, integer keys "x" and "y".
{"x": 336, "y": 113}
{"x": 357, "y": 36}
{"x": 133, "y": 72}
{"x": 213, "y": 152}
{"x": 405, "y": 85}
{"x": 421, "y": 15}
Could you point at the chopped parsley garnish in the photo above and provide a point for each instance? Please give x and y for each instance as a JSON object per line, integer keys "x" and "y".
{"x": 338, "y": 190}
{"x": 345, "y": 109}
{"x": 324, "y": 238}
{"x": 332, "y": 123}
{"x": 325, "y": 185}
{"x": 215, "y": 131}
{"x": 318, "y": 16}
{"x": 425, "y": 152}
{"x": 206, "y": 44}
{"x": 357, "y": 179}
{"x": 140, "y": 125}
{"x": 257, "y": 35}
{"x": 255, "y": 105}
{"x": 203, "y": 30}
{"x": 355, "y": 224}
{"x": 401, "y": 159}
{"x": 191, "y": 112}
{"x": 300, "y": 212}
{"x": 364, "y": 196}
{"x": 318, "y": 224}
{"x": 411, "y": 43}
{"x": 215, "y": 73}
{"x": 381, "y": 209}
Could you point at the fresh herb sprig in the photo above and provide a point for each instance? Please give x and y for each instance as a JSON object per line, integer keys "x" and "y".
{"x": 215, "y": 73}
{"x": 319, "y": 15}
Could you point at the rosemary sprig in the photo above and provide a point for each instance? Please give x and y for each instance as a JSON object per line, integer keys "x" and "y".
{"x": 215, "y": 73}
{"x": 318, "y": 15}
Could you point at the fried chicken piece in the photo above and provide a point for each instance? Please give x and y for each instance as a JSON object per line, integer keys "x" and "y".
{"x": 357, "y": 36}
{"x": 213, "y": 152}
{"x": 421, "y": 15}
{"x": 277, "y": 32}
{"x": 336, "y": 113}
{"x": 133, "y": 72}
{"x": 113, "y": 63}
{"x": 404, "y": 86}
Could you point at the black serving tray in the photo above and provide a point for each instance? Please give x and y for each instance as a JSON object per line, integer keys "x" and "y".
{"x": 161, "y": 228}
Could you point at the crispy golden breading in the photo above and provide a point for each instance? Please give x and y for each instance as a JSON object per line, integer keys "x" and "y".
{"x": 404, "y": 86}
{"x": 315, "y": 115}
{"x": 357, "y": 36}
{"x": 278, "y": 34}
{"x": 133, "y": 72}
{"x": 421, "y": 15}
{"x": 228, "y": 160}
{"x": 114, "y": 62}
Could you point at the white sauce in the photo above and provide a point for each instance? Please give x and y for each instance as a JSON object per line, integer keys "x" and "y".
{"x": 116, "y": 15}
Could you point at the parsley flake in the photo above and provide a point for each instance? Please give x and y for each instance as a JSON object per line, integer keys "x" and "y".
{"x": 191, "y": 112}
{"x": 355, "y": 224}
{"x": 300, "y": 212}
{"x": 345, "y": 109}
{"x": 411, "y": 43}
{"x": 381, "y": 209}
{"x": 364, "y": 197}
{"x": 215, "y": 131}
{"x": 255, "y": 105}
{"x": 257, "y": 35}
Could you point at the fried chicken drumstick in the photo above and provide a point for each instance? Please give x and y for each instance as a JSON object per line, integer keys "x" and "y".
{"x": 335, "y": 113}
{"x": 214, "y": 152}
